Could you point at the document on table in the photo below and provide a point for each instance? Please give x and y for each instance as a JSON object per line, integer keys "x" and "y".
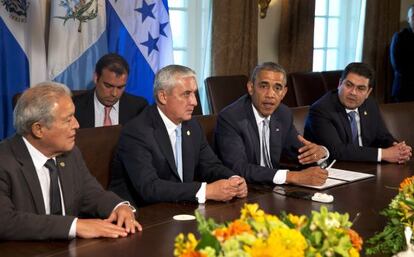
{"x": 338, "y": 177}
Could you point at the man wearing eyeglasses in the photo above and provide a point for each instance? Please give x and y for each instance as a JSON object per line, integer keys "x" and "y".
{"x": 256, "y": 130}
{"x": 348, "y": 121}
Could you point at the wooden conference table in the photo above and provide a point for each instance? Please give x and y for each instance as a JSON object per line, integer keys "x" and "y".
{"x": 157, "y": 239}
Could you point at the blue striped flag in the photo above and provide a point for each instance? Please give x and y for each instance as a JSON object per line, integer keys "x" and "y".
{"x": 22, "y": 53}
{"x": 140, "y": 31}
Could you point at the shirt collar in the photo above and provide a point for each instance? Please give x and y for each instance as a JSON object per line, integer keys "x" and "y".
{"x": 351, "y": 110}
{"x": 100, "y": 107}
{"x": 171, "y": 126}
{"x": 259, "y": 118}
{"x": 38, "y": 158}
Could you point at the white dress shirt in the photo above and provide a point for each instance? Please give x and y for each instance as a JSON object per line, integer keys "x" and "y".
{"x": 100, "y": 112}
{"x": 171, "y": 126}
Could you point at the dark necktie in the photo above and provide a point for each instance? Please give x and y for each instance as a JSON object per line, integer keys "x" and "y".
{"x": 354, "y": 127}
{"x": 265, "y": 142}
{"x": 55, "y": 202}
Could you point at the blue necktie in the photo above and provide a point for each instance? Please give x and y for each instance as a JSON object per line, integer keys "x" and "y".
{"x": 55, "y": 202}
{"x": 265, "y": 142}
{"x": 354, "y": 127}
{"x": 178, "y": 152}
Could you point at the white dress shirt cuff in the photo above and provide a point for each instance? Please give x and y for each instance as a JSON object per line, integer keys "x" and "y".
{"x": 72, "y": 230}
{"x": 127, "y": 203}
{"x": 324, "y": 158}
{"x": 201, "y": 193}
{"x": 379, "y": 158}
{"x": 280, "y": 177}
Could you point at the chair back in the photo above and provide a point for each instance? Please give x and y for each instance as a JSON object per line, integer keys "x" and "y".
{"x": 98, "y": 147}
{"x": 299, "y": 117}
{"x": 398, "y": 118}
{"x": 208, "y": 124}
{"x": 223, "y": 90}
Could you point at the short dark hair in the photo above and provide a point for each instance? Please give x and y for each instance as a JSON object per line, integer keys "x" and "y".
{"x": 268, "y": 66}
{"x": 113, "y": 62}
{"x": 361, "y": 69}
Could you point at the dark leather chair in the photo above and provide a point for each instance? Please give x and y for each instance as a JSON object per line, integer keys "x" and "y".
{"x": 208, "y": 124}
{"x": 331, "y": 79}
{"x": 17, "y": 96}
{"x": 98, "y": 147}
{"x": 290, "y": 97}
{"x": 299, "y": 117}
{"x": 308, "y": 87}
{"x": 223, "y": 90}
{"x": 399, "y": 119}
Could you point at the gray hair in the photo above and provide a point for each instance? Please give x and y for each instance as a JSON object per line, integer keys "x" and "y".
{"x": 36, "y": 105}
{"x": 268, "y": 66}
{"x": 167, "y": 77}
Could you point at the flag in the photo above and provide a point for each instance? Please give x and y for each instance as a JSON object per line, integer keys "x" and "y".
{"x": 22, "y": 53}
{"x": 77, "y": 40}
{"x": 139, "y": 30}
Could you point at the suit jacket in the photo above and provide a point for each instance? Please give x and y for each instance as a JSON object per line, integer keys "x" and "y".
{"x": 129, "y": 107}
{"x": 402, "y": 56}
{"x": 237, "y": 140}
{"x": 328, "y": 124}
{"x": 144, "y": 168}
{"x": 22, "y": 209}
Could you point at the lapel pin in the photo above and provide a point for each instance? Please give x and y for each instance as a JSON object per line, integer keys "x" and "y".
{"x": 277, "y": 129}
{"x": 365, "y": 113}
{"x": 62, "y": 164}
{"x": 188, "y": 133}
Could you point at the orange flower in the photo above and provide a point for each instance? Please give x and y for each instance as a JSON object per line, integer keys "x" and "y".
{"x": 356, "y": 240}
{"x": 406, "y": 182}
{"x": 193, "y": 254}
{"x": 237, "y": 227}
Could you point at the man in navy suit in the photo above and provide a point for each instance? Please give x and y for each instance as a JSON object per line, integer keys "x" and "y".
{"x": 107, "y": 103}
{"x": 252, "y": 149}
{"x": 153, "y": 165}
{"x": 349, "y": 122}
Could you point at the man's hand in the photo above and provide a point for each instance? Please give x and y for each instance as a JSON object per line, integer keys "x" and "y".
{"x": 124, "y": 217}
{"x": 314, "y": 176}
{"x": 310, "y": 152}
{"x": 222, "y": 190}
{"x": 398, "y": 153}
{"x": 241, "y": 185}
{"x": 93, "y": 228}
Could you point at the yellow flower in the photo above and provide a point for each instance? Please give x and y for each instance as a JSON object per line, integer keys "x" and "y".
{"x": 298, "y": 221}
{"x": 186, "y": 248}
{"x": 281, "y": 242}
{"x": 252, "y": 211}
{"x": 353, "y": 252}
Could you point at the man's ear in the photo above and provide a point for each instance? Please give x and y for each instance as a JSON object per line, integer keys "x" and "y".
{"x": 95, "y": 78}
{"x": 37, "y": 130}
{"x": 250, "y": 88}
{"x": 162, "y": 97}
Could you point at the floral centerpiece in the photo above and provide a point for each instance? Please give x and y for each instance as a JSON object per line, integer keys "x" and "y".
{"x": 400, "y": 214}
{"x": 256, "y": 233}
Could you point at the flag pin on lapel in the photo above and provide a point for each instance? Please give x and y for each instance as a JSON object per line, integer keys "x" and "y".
{"x": 62, "y": 164}
{"x": 365, "y": 113}
{"x": 188, "y": 133}
{"x": 277, "y": 129}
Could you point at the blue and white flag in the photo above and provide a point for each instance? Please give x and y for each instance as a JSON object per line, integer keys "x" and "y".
{"x": 22, "y": 53}
{"x": 77, "y": 40}
{"x": 140, "y": 31}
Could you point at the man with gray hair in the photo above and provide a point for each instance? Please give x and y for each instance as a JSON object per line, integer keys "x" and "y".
{"x": 163, "y": 155}
{"x": 45, "y": 186}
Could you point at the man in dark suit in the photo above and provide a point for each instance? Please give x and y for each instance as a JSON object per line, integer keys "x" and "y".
{"x": 256, "y": 130}
{"x": 402, "y": 56}
{"x": 163, "y": 155}
{"x": 107, "y": 103}
{"x": 349, "y": 122}
{"x": 45, "y": 187}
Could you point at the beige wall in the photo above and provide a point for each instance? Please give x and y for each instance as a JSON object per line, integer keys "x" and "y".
{"x": 268, "y": 33}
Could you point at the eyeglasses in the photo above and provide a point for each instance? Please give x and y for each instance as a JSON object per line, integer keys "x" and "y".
{"x": 358, "y": 88}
